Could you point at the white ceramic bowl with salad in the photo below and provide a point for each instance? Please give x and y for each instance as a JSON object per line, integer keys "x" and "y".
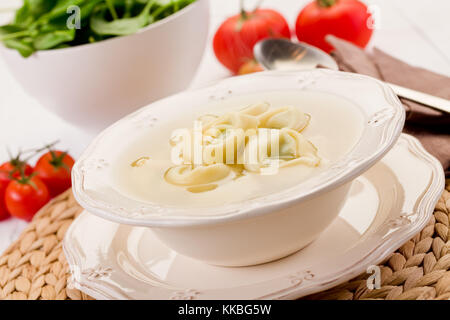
{"x": 94, "y": 84}
{"x": 242, "y": 217}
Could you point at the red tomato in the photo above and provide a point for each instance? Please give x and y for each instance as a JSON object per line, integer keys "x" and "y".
{"x": 3, "y": 211}
{"x": 13, "y": 167}
{"x": 8, "y": 169}
{"x": 54, "y": 169}
{"x": 25, "y": 197}
{"x": 346, "y": 19}
{"x": 234, "y": 40}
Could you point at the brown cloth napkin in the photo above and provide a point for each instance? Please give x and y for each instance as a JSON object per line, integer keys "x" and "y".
{"x": 431, "y": 127}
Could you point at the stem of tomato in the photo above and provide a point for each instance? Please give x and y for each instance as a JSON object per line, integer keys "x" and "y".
{"x": 242, "y": 19}
{"x": 57, "y": 161}
{"x": 258, "y": 4}
{"x": 326, "y": 3}
{"x": 46, "y": 147}
{"x": 244, "y": 15}
{"x": 18, "y": 164}
{"x": 26, "y": 180}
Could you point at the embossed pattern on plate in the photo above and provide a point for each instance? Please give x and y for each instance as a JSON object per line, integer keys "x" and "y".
{"x": 112, "y": 261}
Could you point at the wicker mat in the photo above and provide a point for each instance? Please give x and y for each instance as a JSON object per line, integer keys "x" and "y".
{"x": 34, "y": 267}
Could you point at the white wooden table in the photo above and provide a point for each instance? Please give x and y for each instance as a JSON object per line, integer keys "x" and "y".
{"x": 412, "y": 30}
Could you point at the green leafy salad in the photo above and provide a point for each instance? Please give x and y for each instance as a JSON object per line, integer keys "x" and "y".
{"x": 55, "y": 24}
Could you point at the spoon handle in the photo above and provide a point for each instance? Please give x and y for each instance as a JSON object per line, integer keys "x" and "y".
{"x": 423, "y": 98}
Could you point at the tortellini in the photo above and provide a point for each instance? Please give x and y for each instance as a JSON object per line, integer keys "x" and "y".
{"x": 255, "y": 138}
{"x": 221, "y": 145}
{"x": 275, "y": 149}
{"x": 187, "y": 175}
{"x": 284, "y": 117}
{"x": 233, "y": 120}
{"x": 256, "y": 109}
{"x": 224, "y": 137}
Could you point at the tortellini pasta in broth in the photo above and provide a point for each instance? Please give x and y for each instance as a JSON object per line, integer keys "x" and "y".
{"x": 230, "y": 139}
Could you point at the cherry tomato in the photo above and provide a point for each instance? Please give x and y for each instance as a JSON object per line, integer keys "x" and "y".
{"x": 54, "y": 169}
{"x": 346, "y": 19}
{"x": 4, "y": 214}
{"x": 234, "y": 40}
{"x": 12, "y": 168}
{"x": 25, "y": 197}
{"x": 8, "y": 171}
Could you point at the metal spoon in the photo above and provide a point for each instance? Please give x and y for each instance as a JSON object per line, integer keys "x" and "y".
{"x": 283, "y": 54}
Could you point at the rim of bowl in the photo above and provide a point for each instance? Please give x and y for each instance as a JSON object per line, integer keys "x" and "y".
{"x": 154, "y": 25}
{"x": 341, "y": 171}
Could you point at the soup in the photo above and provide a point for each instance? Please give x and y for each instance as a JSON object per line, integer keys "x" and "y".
{"x": 249, "y": 146}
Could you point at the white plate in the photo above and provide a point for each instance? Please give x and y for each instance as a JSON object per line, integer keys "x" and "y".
{"x": 388, "y": 205}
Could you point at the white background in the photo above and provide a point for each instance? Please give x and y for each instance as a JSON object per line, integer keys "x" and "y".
{"x": 417, "y": 31}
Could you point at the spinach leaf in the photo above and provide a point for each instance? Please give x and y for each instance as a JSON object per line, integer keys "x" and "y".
{"x": 53, "y": 39}
{"x": 120, "y": 27}
{"x": 39, "y": 7}
{"x": 112, "y": 9}
{"x": 42, "y": 24}
{"x": 54, "y": 25}
{"x": 32, "y": 10}
{"x": 59, "y": 10}
{"x": 9, "y": 29}
{"x": 24, "y": 48}
{"x": 168, "y": 7}
{"x": 8, "y": 32}
{"x": 87, "y": 8}
{"x": 23, "y": 16}
{"x": 128, "y": 7}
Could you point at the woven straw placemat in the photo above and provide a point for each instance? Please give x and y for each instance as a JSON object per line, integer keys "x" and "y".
{"x": 34, "y": 267}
